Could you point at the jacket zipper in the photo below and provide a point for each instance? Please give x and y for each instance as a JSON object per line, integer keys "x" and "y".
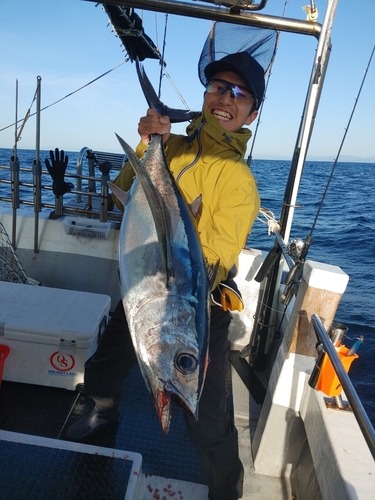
{"x": 197, "y": 136}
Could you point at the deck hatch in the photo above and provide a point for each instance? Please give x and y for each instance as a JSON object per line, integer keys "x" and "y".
{"x": 68, "y": 470}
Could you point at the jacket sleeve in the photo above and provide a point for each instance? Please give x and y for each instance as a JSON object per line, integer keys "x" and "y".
{"x": 225, "y": 231}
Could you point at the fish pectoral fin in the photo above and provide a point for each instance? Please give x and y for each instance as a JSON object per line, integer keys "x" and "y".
{"x": 196, "y": 205}
{"x": 212, "y": 270}
{"x": 122, "y": 196}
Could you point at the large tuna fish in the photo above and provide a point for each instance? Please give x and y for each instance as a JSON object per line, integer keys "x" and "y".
{"x": 164, "y": 284}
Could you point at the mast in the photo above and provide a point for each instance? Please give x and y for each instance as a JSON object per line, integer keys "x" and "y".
{"x": 273, "y": 265}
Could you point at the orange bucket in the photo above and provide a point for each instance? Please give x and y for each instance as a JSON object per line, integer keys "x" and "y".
{"x": 328, "y": 381}
{"x": 4, "y": 351}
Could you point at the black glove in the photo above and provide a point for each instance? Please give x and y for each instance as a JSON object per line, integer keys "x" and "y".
{"x": 56, "y": 170}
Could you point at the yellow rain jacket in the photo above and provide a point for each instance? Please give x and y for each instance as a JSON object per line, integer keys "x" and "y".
{"x": 209, "y": 161}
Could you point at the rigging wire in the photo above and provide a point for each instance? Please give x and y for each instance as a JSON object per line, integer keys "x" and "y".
{"x": 162, "y": 61}
{"x": 296, "y": 272}
{"x": 166, "y": 74}
{"x": 342, "y": 142}
{"x": 28, "y": 115}
{"x": 156, "y": 29}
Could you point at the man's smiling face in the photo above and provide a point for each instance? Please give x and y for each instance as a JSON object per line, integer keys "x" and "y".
{"x": 232, "y": 113}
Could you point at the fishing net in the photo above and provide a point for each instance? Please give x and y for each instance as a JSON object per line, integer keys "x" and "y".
{"x": 227, "y": 39}
{"x": 10, "y": 267}
{"x": 128, "y": 27}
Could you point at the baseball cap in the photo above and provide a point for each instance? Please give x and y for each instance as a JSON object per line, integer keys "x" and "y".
{"x": 244, "y": 65}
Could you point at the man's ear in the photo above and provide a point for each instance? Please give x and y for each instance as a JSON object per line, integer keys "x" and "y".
{"x": 252, "y": 116}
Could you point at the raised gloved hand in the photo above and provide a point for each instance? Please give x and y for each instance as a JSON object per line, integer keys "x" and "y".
{"x": 56, "y": 169}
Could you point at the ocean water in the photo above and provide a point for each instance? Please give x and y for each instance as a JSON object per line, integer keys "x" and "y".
{"x": 344, "y": 236}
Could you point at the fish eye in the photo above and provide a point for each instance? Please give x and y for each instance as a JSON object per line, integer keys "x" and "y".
{"x": 186, "y": 363}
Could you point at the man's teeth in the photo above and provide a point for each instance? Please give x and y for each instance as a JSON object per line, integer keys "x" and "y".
{"x": 222, "y": 115}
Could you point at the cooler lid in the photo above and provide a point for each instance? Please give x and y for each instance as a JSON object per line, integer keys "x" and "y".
{"x": 46, "y": 315}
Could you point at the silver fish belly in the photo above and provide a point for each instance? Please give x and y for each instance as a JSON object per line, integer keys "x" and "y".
{"x": 164, "y": 286}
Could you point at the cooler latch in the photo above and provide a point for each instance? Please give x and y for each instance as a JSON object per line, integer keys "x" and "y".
{"x": 67, "y": 346}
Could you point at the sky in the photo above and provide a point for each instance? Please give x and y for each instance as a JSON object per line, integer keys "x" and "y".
{"x": 69, "y": 43}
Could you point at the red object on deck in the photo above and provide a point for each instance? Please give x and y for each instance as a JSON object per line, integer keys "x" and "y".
{"x": 4, "y": 351}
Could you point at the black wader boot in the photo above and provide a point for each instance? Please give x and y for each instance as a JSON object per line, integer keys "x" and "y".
{"x": 105, "y": 372}
{"x": 104, "y": 412}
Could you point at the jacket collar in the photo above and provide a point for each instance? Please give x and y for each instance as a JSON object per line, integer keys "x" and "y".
{"x": 210, "y": 126}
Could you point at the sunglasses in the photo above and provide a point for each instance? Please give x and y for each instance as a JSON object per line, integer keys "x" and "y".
{"x": 218, "y": 86}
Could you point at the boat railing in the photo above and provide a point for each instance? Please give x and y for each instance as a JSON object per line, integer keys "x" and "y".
{"x": 96, "y": 159}
{"x": 350, "y": 392}
{"x": 32, "y": 186}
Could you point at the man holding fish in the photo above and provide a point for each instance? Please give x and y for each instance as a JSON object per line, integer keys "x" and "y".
{"x": 208, "y": 167}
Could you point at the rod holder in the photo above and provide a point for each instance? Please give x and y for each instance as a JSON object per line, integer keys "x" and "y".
{"x": 328, "y": 381}
{"x": 337, "y": 332}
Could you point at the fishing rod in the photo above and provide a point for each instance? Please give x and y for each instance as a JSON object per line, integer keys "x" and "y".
{"x": 307, "y": 243}
{"x": 342, "y": 143}
{"x": 298, "y": 251}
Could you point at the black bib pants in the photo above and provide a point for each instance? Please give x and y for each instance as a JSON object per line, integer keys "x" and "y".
{"x": 214, "y": 434}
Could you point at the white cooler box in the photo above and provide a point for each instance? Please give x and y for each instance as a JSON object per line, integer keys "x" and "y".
{"x": 51, "y": 332}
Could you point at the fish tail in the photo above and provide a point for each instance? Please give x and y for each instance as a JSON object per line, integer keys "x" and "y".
{"x": 175, "y": 115}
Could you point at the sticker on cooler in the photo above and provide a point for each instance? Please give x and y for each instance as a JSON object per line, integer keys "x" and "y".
{"x": 62, "y": 364}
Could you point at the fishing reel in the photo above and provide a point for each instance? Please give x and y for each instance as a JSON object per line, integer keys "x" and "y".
{"x": 296, "y": 250}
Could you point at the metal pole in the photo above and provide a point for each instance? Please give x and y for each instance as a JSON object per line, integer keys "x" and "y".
{"x": 353, "y": 399}
{"x": 15, "y": 179}
{"x": 84, "y": 151}
{"x": 104, "y": 167}
{"x": 58, "y": 206}
{"x": 37, "y": 170}
{"x": 224, "y": 14}
{"x": 307, "y": 123}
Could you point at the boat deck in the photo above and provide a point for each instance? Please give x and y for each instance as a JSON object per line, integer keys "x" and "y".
{"x": 47, "y": 412}
{"x": 170, "y": 467}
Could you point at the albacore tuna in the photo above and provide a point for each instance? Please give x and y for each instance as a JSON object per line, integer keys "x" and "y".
{"x": 164, "y": 284}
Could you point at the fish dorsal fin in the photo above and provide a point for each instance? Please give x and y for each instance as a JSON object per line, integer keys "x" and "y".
{"x": 153, "y": 201}
{"x": 196, "y": 205}
{"x": 122, "y": 196}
